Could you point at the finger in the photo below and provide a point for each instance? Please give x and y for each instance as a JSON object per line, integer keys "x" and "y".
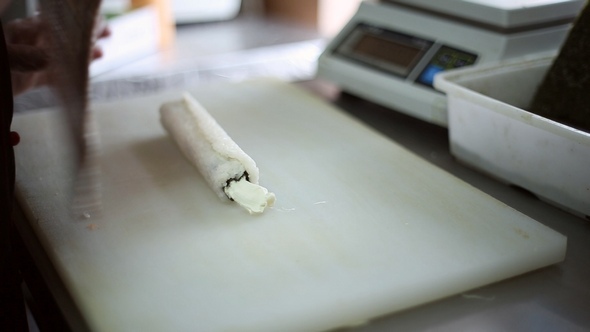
{"x": 96, "y": 53}
{"x": 105, "y": 32}
{"x": 101, "y": 29}
{"x": 24, "y": 58}
{"x": 25, "y": 31}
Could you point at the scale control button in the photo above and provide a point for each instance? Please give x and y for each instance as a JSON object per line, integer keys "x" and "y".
{"x": 460, "y": 63}
{"x": 446, "y": 58}
{"x": 427, "y": 76}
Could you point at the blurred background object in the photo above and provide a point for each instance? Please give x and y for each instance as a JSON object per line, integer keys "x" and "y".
{"x": 193, "y": 11}
{"x": 144, "y": 29}
{"x": 327, "y": 16}
{"x": 152, "y": 48}
{"x": 19, "y": 9}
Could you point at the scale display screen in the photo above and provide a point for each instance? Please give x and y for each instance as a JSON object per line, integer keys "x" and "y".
{"x": 408, "y": 57}
{"x": 394, "y": 53}
{"x": 383, "y": 49}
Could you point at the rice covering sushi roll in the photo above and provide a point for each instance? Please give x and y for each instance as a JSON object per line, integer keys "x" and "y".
{"x": 227, "y": 169}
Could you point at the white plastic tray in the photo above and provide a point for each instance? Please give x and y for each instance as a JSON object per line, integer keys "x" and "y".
{"x": 490, "y": 130}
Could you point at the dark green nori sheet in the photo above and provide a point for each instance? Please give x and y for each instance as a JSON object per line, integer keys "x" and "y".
{"x": 564, "y": 94}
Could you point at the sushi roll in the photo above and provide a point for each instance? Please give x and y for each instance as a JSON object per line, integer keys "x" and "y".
{"x": 227, "y": 169}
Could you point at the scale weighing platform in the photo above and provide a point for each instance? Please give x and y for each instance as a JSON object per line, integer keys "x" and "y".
{"x": 390, "y": 51}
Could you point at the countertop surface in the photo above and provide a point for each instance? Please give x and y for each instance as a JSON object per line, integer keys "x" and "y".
{"x": 556, "y": 298}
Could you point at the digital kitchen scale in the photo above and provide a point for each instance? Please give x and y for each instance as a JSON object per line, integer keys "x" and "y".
{"x": 390, "y": 51}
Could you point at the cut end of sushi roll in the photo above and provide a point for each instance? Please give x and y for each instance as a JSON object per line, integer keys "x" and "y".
{"x": 252, "y": 197}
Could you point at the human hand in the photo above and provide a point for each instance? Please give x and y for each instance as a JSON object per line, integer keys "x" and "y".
{"x": 29, "y": 52}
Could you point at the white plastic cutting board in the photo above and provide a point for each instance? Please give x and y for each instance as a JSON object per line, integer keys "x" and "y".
{"x": 361, "y": 227}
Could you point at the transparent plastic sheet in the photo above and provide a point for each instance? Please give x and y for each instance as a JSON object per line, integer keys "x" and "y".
{"x": 71, "y": 24}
